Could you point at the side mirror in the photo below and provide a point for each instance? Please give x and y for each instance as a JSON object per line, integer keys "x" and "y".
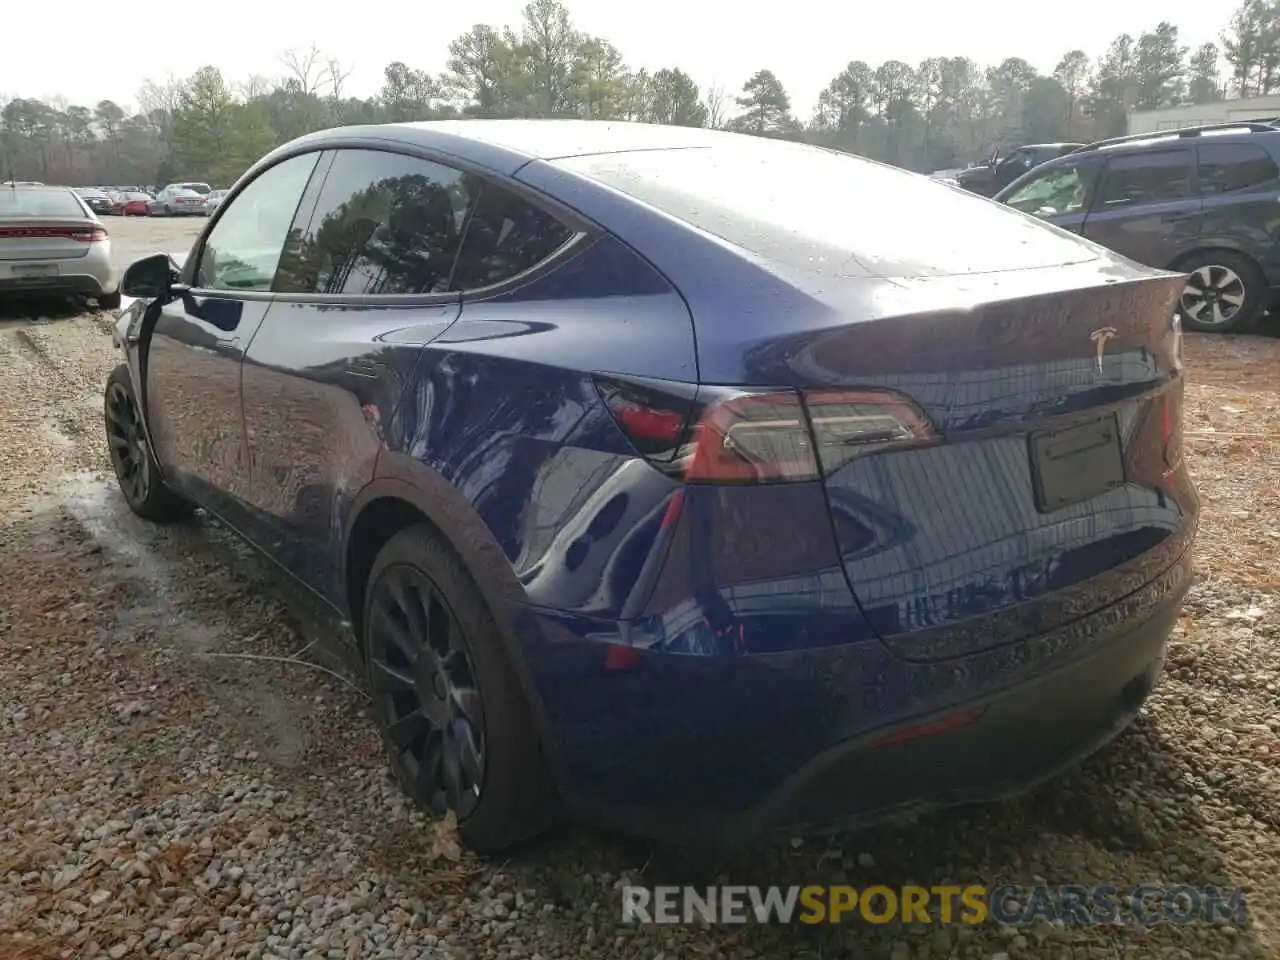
{"x": 149, "y": 278}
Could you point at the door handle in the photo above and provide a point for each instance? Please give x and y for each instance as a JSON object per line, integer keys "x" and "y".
{"x": 1175, "y": 217}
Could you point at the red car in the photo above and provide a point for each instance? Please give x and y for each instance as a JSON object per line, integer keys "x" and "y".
{"x": 135, "y": 205}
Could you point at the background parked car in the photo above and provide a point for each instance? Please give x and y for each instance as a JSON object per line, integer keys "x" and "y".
{"x": 214, "y": 199}
{"x": 182, "y": 199}
{"x": 52, "y": 243}
{"x": 97, "y": 200}
{"x": 1202, "y": 200}
{"x": 987, "y": 179}
{"x": 135, "y": 204}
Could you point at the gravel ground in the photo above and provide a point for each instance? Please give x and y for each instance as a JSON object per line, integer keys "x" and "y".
{"x": 162, "y": 794}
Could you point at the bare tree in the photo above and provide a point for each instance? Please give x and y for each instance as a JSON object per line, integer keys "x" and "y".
{"x": 716, "y": 100}
{"x": 163, "y": 95}
{"x": 306, "y": 69}
{"x": 336, "y": 77}
{"x": 256, "y": 86}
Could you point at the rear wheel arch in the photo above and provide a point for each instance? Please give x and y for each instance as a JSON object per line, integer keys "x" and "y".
{"x": 406, "y": 493}
{"x": 1195, "y": 254}
{"x": 377, "y": 522}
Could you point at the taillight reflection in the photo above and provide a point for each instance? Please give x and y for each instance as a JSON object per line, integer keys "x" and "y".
{"x": 754, "y": 438}
{"x": 850, "y": 423}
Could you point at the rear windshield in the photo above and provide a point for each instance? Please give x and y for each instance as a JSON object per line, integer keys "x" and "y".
{"x": 39, "y": 202}
{"x": 195, "y": 187}
{"x": 830, "y": 213}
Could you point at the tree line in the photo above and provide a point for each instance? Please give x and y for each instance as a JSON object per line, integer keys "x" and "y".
{"x": 942, "y": 112}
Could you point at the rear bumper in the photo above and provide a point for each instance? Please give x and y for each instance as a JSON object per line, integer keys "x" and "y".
{"x": 721, "y": 751}
{"x": 1016, "y": 740}
{"x": 74, "y": 285}
{"x": 91, "y": 275}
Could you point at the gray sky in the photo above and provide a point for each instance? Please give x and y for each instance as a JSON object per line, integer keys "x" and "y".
{"x": 714, "y": 40}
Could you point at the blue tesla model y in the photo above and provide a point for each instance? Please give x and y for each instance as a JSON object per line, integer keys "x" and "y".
{"x": 710, "y": 486}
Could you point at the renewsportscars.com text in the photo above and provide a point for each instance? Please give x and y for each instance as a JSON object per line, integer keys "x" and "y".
{"x": 1009, "y": 904}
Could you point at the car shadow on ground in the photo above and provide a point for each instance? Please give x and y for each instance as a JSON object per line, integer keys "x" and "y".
{"x": 1094, "y": 826}
{"x": 1268, "y": 325}
{"x": 17, "y": 310}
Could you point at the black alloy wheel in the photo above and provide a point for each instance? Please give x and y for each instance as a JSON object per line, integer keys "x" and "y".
{"x": 127, "y": 443}
{"x": 144, "y": 490}
{"x": 426, "y": 692}
{"x": 444, "y": 679}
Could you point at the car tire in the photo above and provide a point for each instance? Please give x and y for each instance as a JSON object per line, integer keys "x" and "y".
{"x": 131, "y": 457}
{"x": 460, "y": 737}
{"x": 109, "y": 301}
{"x": 1218, "y": 278}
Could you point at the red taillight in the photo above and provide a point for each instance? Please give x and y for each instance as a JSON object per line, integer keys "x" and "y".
{"x": 84, "y": 234}
{"x": 618, "y": 657}
{"x": 931, "y": 728}
{"x": 725, "y": 435}
{"x": 659, "y": 426}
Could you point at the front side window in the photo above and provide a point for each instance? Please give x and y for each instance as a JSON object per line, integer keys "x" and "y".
{"x": 1233, "y": 167}
{"x": 385, "y": 223}
{"x": 1141, "y": 178}
{"x": 506, "y": 236}
{"x": 244, "y": 247}
{"x": 1054, "y": 192}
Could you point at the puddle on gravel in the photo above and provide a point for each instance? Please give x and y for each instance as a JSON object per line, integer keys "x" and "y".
{"x": 95, "y": 503}
{"x": 268, "y": 722}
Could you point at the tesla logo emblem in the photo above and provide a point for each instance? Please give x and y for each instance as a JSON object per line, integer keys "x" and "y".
{"x": 1100, "y": 338}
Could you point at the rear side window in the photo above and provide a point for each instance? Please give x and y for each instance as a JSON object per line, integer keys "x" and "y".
{"x": 1230, "y": 167}
{"x": 40, "y": 202}
{"x": 1140, "y": 178}
{"x": 827, "y": 213}
{"x": 384, "y": 223}
{"x": 505, "y": 236}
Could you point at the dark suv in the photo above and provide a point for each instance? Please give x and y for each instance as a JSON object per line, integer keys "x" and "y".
{"x": 1202, "y": 201}
{"x": 987, "y": 179}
